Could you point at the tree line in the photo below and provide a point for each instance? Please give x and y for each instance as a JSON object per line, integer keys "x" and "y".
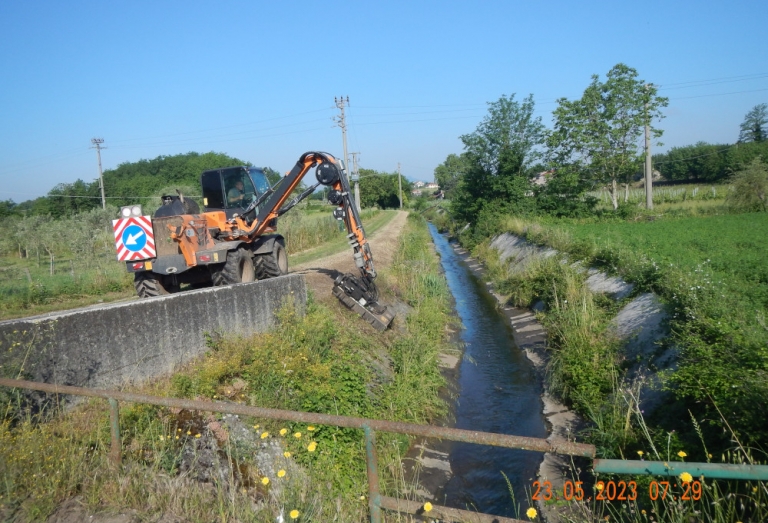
{"x": 512, "y": 163}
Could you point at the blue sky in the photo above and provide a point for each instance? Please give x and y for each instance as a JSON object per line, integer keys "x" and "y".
{"x": 257, "y": 80}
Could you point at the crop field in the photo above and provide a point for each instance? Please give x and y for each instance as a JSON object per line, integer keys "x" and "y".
{"x": 729, "y": 249}
{"x": 667, "y": 194}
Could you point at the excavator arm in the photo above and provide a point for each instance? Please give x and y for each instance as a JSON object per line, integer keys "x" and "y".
{"x": 357, "y": 293}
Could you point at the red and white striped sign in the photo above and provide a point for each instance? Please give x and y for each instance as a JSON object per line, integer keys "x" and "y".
{"x": 134, "y": 238}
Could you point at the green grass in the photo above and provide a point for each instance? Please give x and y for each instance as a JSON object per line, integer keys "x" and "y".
{"x": 727, "y": 251}
{"x": 371, "y": 222}
{"x": 326, "y": 361}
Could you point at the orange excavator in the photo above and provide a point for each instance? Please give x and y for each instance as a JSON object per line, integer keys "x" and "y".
{"x": 235, "y": 238}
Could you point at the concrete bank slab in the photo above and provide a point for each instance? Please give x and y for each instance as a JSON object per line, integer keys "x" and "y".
{"x": 130, "y": 342}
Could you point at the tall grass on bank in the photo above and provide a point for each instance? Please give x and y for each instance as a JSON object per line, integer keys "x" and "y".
{"x": 304, "y": 230}
{"x": 585, "y": 369}
{"x": 325, "y": 361}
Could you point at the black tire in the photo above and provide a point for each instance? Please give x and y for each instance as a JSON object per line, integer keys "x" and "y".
{"x": 273, "y": 264}
{"x": 237, "y": 269}
{"x": 148, "y": 285}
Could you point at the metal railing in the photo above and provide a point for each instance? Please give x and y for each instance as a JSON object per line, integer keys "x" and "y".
{"x": 376, "y": 502}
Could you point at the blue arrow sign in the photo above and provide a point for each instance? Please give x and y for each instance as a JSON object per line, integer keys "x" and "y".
{"x": 134, "y": 238}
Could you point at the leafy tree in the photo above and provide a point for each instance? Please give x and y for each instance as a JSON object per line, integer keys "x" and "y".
{"x": 381, "y": 189}
{"x": 702, "y": 162}
{"x": 754, "y": 128}
{"x": 741, "y": 155}
{"x": 564, "y": 194}
{"x": 7, "y": 208}
{"x": 449, "y": 173}
{"x": 750, "y": 188}
{"x": 600, "y": 134}
{"x": 504, "y": 144}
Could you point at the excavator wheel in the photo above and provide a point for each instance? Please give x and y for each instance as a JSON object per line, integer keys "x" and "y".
{"x": 148, "y": 284}
{"x": 237, "y": 269}
{"x": 273, "y": 264}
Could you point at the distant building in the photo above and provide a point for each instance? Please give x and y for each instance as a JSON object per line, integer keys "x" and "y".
{"x": 542, "y": 177}
{"x": 418, "y": 185}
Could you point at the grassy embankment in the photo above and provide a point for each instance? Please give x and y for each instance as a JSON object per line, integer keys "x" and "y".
{"x": 327, "y": 361}
{"x": 710, "y": 272}
{"x": 33, "y": 285}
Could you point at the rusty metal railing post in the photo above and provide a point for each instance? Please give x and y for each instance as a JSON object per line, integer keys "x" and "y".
{"x": 115, "y": 452}
{"x": 371, "y": 460}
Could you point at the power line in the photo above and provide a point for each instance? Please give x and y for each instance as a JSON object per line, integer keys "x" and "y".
{"x": 694, "y": 157}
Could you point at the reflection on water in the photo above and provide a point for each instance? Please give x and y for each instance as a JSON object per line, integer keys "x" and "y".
{"x": 498, "y": 392}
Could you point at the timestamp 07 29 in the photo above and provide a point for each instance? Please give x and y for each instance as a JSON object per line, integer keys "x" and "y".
{"x": 616, "y": 490}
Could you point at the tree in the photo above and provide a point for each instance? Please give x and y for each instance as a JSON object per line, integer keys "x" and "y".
{"x": 381, "y": 189}
{"x": 701, "y": 162}
{"x": 601, "y": 133}
{"x": 449, "y": 173}
{"x": 750, "y": 187}
{"x": 504, "y": 144}
{"x": 754, "y": 128}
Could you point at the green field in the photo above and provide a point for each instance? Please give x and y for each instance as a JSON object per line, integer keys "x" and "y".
{"x": 728, "y": 250}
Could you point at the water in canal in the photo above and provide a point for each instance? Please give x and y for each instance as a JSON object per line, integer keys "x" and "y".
{"x": 497, "y": 392}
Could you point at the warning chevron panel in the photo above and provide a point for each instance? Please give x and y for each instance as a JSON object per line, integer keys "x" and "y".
{"x": 134, "y": 238}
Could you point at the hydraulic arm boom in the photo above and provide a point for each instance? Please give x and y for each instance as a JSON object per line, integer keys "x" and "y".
{"x": 356, "y": 293}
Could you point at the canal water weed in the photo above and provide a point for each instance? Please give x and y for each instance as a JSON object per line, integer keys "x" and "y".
{"x": 324, "y": 361}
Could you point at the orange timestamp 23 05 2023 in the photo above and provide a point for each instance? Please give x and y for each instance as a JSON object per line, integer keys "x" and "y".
{"x": 616, "y": 490}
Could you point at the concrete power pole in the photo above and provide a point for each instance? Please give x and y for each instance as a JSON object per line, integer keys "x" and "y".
{"x": 341, "y": 121}
{"x": 97, "y": 145}
{"x": 356, "y": 179}
{"x": 400, "y": 184}
{"x": 648, "y": 165}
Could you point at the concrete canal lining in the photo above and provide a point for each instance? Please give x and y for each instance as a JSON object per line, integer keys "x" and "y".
{"x": 129, "y": 342}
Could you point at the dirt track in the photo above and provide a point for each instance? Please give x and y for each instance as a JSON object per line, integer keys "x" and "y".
{"x": 320, "y": 274}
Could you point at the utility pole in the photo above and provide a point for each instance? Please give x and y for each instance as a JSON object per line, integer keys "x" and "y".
{"x": 648, "y": 165}
{"x": 341, "y": 121}
{"x": 400, "y": 184}
{"x": 356, "y": 179}
{"x": 97, "y": 145}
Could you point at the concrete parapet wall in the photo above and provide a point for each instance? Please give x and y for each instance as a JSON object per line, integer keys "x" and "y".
{"x": 129, "y": 342}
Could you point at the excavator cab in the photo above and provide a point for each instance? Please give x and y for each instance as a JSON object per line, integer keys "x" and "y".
{"x": 232, "y": 189}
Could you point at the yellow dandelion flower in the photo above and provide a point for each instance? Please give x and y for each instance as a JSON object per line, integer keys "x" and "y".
{"x": 177, "y": 437}
{"x": 162, "y": 438}
{"x": 264, "y": 434}
{"x": 178, "y": 430}
{"x": 189, "y": 433}
{"x": 256, "y": 426}
{"x": 283, "y": 432}
{"x": 294, "y": 514}
{"x": 311, "y": 428}
{"x": 600, "y": 486}
{"x": 297, "y": 435}
{"x": 754, "y": 489}
{"x": 685, "y": 477}
{"x": 640, "y": 453}
{"x": 287, "y": 454}
{"x": 531, "y": 513}
{"x": 265, "y": 480}
{"x": 427, "y": 506}
{"x": 362, "y": 498}
{"x": 312, "y": 446}
{"x": 682, "y": 454}
{"x": 197, "y": 435}
{"x": 280, "y": 473}
{"x": 643, "y": 512}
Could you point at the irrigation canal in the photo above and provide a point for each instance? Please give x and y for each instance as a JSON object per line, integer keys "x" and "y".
{"x": 497, "y": 391}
